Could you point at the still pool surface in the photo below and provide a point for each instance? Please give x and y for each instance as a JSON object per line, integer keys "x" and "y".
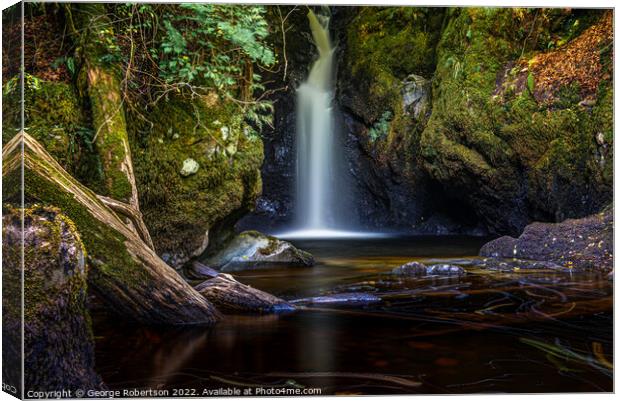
{"x": 515, "y": 331}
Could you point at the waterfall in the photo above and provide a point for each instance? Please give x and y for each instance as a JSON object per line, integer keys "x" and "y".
{"x": 315, "y": 138}
{"x": 321, "y": 187}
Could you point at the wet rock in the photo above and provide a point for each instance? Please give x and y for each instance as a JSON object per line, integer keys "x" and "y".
{"x": 585, "y": 243}
{"x": 251, "y": 249}
{"x": 231, "y": 296}
{"x": 350, "y": 299}
{"x": 180, "y": 257}
{"x": 445, "y": 270}
{"x": 411, "y": 269}
{"x": 57, "y": 329}
{"x": 512, "y": 265}
{"x": 416, "y": 95}
{"x": 417, "y": 269}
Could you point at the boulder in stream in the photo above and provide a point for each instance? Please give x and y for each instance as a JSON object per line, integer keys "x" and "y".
{"x": 251, "y": 249}
{"x": 410, "y": 269}
{"x": 445, "y": 270}
{"x": 417, "y": 269}
{"x": 585, "y": 243}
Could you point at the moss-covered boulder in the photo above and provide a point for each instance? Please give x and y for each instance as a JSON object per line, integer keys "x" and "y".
{"x": 518, "y": 124}
{"x": 507, "y": 154}
{"x": 182, "y": 209}
{"x": 57, "y": 328}
{"x": 251, "y": 250}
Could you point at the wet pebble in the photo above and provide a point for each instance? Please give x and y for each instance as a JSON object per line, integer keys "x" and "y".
{"x": 445, "y": 270}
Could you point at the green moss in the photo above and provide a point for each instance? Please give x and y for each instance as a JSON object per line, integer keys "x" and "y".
{"x": 106, "y": 247}
{"x": 179, "y": 210}
{"x": 53, "y": 116}
{"x": 385, "y": 45}
{"x": 484, "y": 143}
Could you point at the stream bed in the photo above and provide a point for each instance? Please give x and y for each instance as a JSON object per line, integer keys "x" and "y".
{"x": 518, "y": 331}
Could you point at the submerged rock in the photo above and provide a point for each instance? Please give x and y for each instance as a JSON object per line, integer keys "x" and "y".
{"x": 417, "y": 269}
{"x": 351, "y": 298}
{"x": 585, "y": 243}
{"x": 445, "y": 270}
{"x": 251, "y": 249}
{"x": 410, "y": 269}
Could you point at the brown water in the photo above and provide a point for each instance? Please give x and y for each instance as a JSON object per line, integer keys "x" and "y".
{"x": 518, "y": 331}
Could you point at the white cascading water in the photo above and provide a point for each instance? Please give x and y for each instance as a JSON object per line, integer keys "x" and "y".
{"x": 318, "y": 185}
{"x": 315, "y": 141}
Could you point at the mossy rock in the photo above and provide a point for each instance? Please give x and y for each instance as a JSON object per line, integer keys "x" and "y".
{"x": 251, "y": 249}
{"x": 508, "y": 157}
{"x": 57, "y": 326}
{"x": 179, "y": 210}
{"x": 384, "y": 46}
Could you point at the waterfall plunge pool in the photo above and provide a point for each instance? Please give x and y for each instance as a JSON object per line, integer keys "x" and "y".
{"x": 327, "y": 233}
{"x": 486, "y": 332}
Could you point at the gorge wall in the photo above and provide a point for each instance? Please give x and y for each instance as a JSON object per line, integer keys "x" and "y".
{"x": 460, "y": 120}
{"x": 470, "y": 121}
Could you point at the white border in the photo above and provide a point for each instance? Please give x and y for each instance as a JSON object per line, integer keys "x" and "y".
{"x": 540, "y": 3}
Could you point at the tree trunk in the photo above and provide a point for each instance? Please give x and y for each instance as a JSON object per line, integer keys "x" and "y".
{"x": 124, "y": 272}
{"x": 103, "y": 86}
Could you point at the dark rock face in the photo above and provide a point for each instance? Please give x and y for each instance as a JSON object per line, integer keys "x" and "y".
{"x": 385, "y": 98}
{"x": 585, "y": 243}
{"x": 274, "y": 207}
{"x": 57, "y": 332}
{"x": 478, "y": 157}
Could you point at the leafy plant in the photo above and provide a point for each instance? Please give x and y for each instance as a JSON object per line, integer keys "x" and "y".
{"x": 530, "y": 83}
{"x": 68, "y": 61}
{"x": 217, "y": 44}
{"x": 200, "y": 49}
{"x": 380, "y": 128}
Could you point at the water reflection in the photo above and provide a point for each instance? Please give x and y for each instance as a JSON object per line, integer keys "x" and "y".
{"x": 517, "y": 331}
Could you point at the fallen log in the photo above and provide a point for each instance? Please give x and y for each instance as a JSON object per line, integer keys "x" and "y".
{"x": 124, "y": 272}
{"x": 231, "y": 296}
